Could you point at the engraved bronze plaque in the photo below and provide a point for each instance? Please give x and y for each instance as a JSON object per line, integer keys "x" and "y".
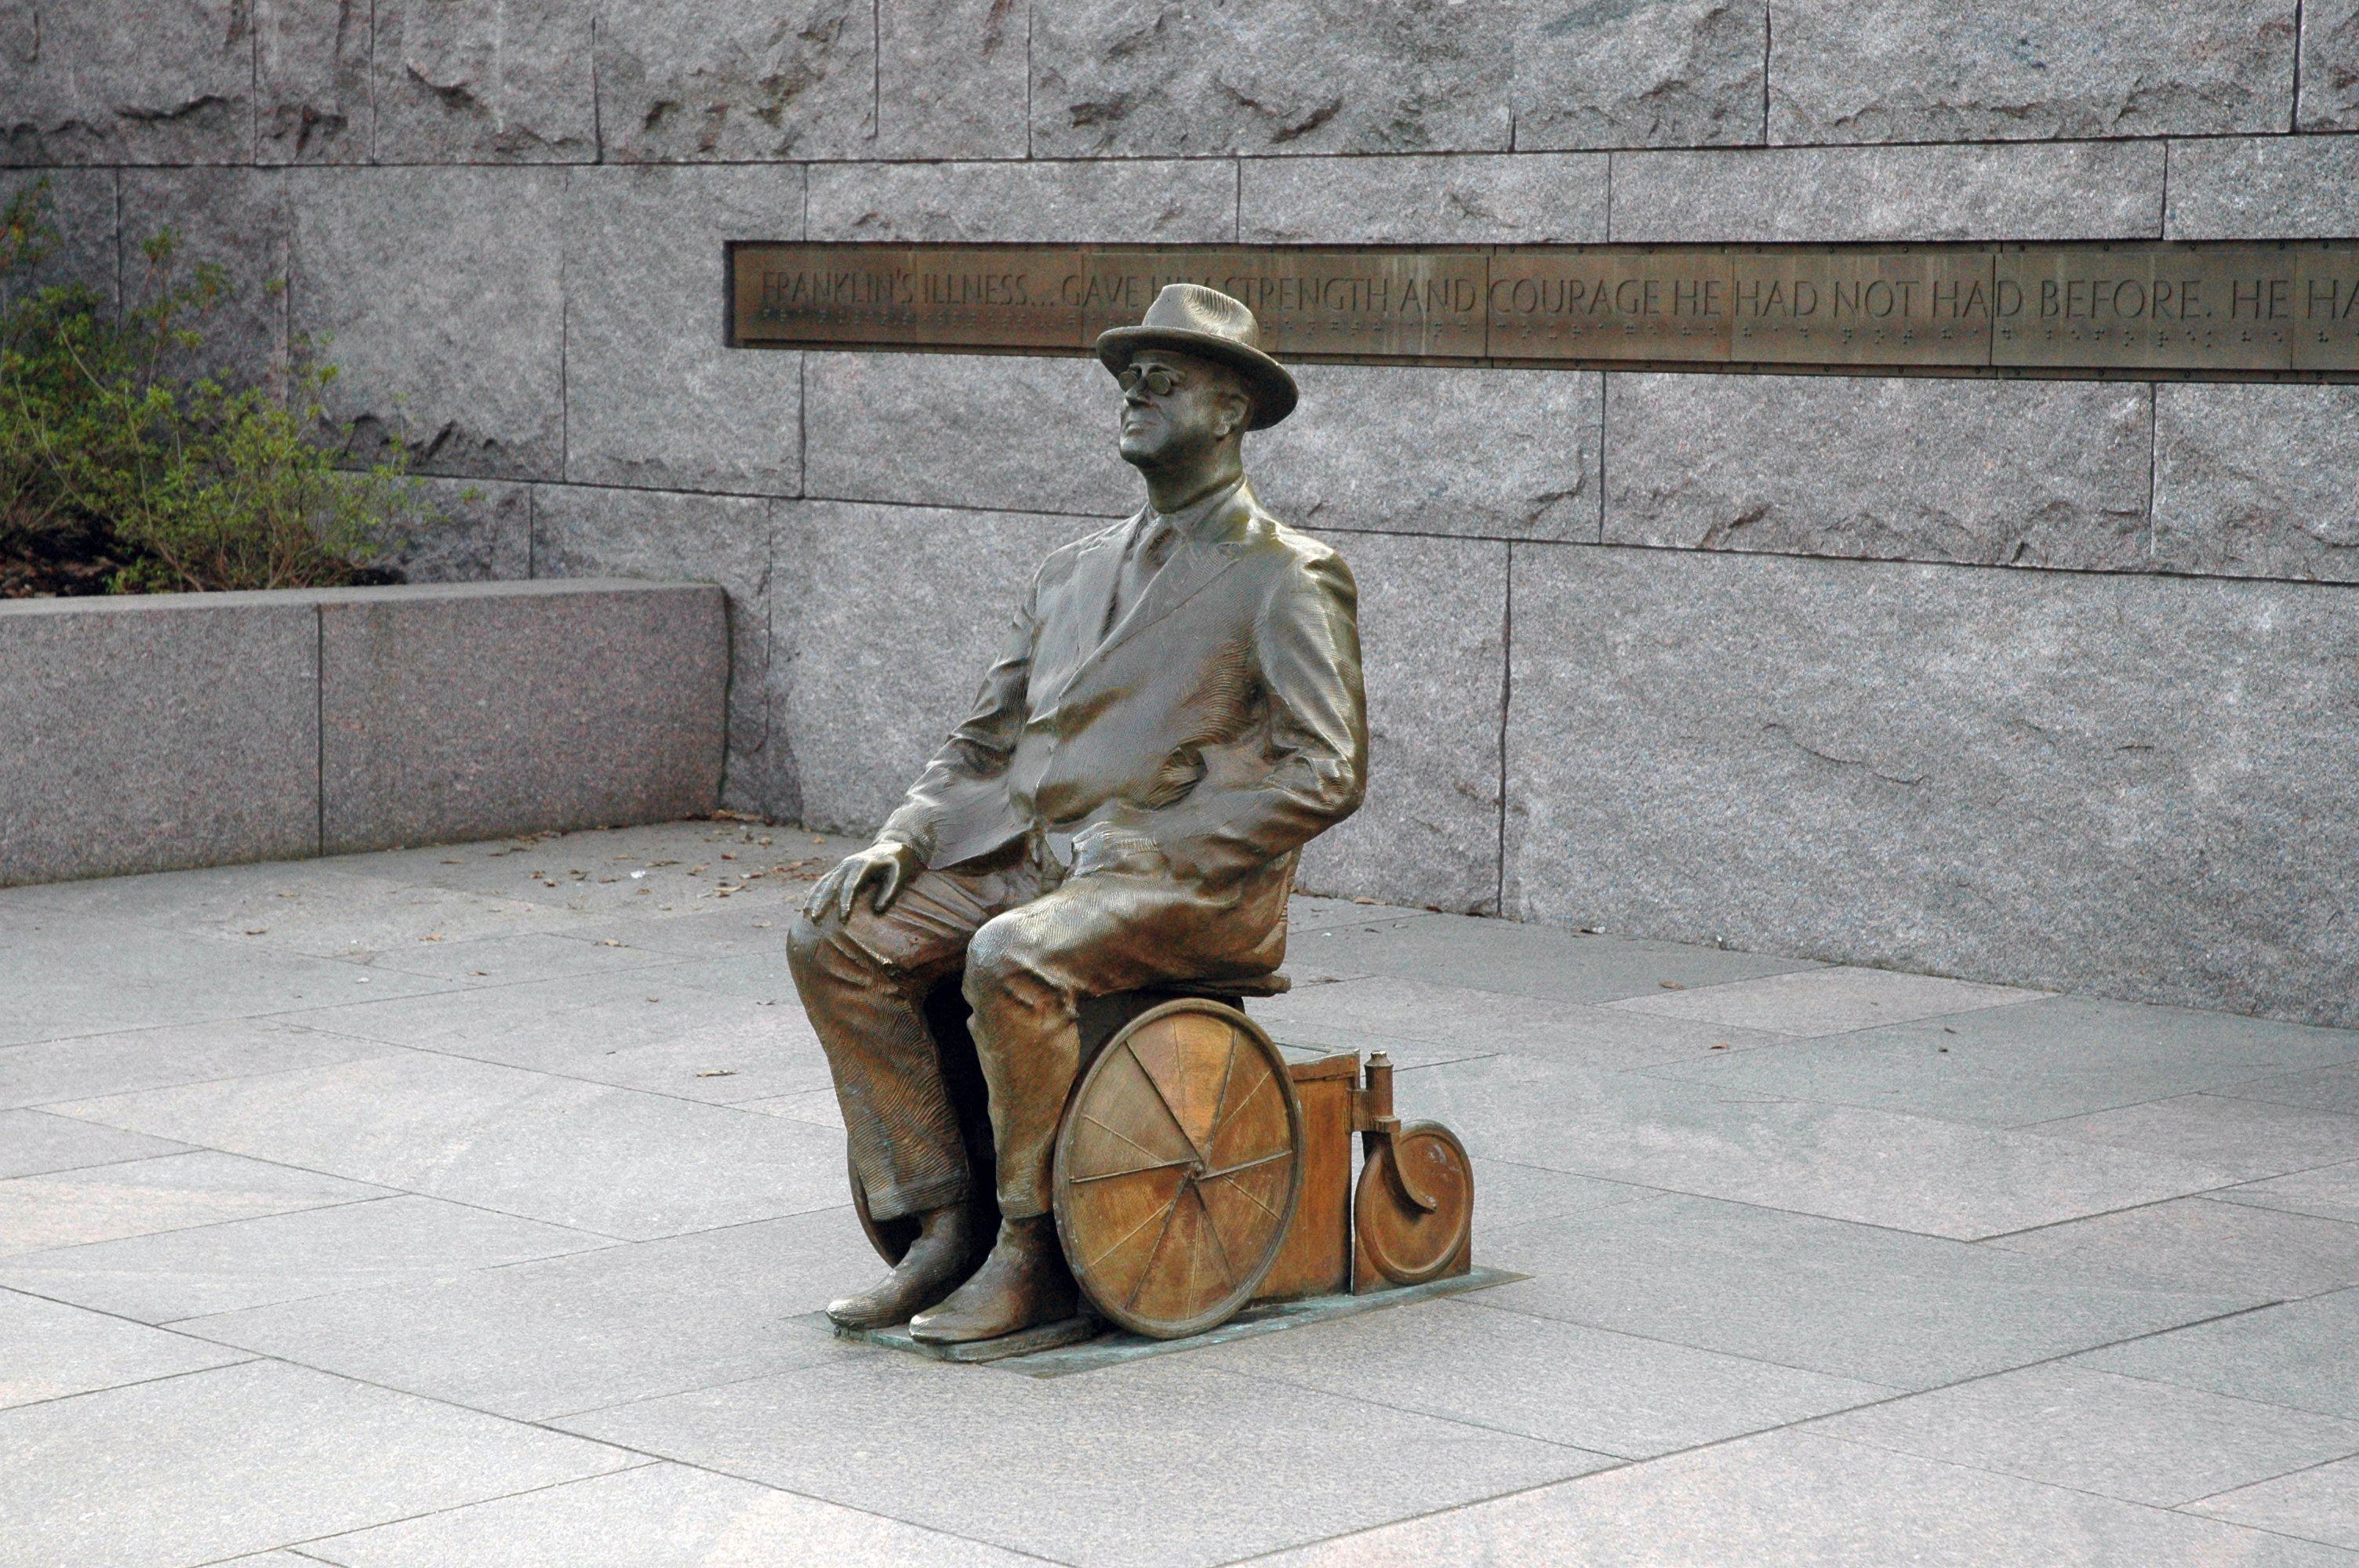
{"x": 2146, "y": 307}
{"x": 2231, "y": 308}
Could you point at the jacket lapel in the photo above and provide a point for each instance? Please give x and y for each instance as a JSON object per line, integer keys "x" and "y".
{"x": 1090, "y": 594}
{"x": 1193, "y": 567}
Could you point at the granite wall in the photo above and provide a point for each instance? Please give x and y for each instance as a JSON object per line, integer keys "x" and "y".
{"x": 2046, "y": 681}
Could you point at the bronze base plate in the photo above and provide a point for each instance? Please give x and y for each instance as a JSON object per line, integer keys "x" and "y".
{"x": 1047, "y": 1336}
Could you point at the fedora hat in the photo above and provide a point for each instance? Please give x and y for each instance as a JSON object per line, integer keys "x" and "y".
{"x": 1204, "y": 321}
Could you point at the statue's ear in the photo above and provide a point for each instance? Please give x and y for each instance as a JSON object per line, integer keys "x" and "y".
{"x": 1236, "y": 409}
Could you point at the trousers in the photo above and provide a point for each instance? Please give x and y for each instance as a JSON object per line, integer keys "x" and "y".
{"x": 1032, "y": 949}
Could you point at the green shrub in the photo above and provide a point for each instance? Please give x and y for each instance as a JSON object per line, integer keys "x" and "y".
{"x": 120, "y": 472}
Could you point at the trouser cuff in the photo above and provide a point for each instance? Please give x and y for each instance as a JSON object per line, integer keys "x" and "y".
{"x": 899, "y": 1200}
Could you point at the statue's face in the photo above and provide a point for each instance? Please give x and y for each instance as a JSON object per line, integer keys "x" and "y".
{"x": 1176, "y": 405}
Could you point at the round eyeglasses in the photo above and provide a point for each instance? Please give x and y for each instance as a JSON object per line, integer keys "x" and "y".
{"x": 1159, "y": 381}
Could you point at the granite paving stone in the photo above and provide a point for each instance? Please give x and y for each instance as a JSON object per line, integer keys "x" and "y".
{"x": 1211, "y": 1463}
{"x": 2297, "y": 1354}
{"x": 1508, "y": 1194}
{"x": 1517, "y": 959}
{"x": 2038, "y": 1062}
{"x": 238, "y": 1263}
{"x": 562, "y": 1334}
{"x": 1833, "y": 1000}
{"x": 558, "y": 954}
{"x": 818, "y": 1107}
{"x": 2252, "y": 1138}
{"x": 1848, "y": 1300}
{"x": 55, "y": 1350}
{"x": 2318, "y": 1504}
{"x": 614, "y": 1161}
{"x": 2096, "y": 1432}
{"x": 299, "y": 1452}
{"x": 659, "y": 1515}
{"x": 1792, "y": 1498}
{"x": 2205, "y": 1244}
{"x": 33, "y": 1143}
{"x": 2330, "y": 1192}
{"x": 1507, "y": 1371}
{"x": 169, "y": 1192}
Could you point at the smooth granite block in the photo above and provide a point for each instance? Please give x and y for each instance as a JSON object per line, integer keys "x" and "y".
{"x": 2322, "y": 1088}
{"x": 56, "y": 1350}
{"x": 1223, "y": 1465}
{"x": 1686, "y": 73}
{"x": 951, "y": 80}
{"x": 653, "y": 395}
{"x": 481, "y": 708}
{"x": 312, "y": 94}
{"x": 1854, "y": 1301}
{"x": 1433, "y": 645}
{"x": 2095, "y": 1431}
{"x": 79, "y": 206}
{"x": 1516, "y": 960}
{"x": 2296, "y": 1353}
{"x": 462, "y": 531}
{"x": 901, "y": 611}
{"x": 454, "y": 350}
{"x": 2274, "y": 187}
{"x": 1500, "y": 453}
{"x": 1809, "y": 1500}
{"x": 475, "y": 84}
{"x": 238, "y": 1460}
{"x": 2037, "y": 473}
{"x": 2057, "y": 191}
{"x": 680, "y": 83}
{"x": 1917, "y": 71}
{"x": 1508, "y": 1371}
{"x": 232, "y": 1262}
{"x": 2205, "y": 1244}
{"x": 2320, "y": 1504}
{"x": 2250, "y": 481}
{"x": 1126, "y": 79}
{"x": 609, "y": 1161}
{"x": 1124, "y": 202}
{"x": 34, "y": 1143}
{"x": 168, "y": 1192}
{"x": 2330, "y": 1192}
{"x": 2330, "y": 67}
{"x": 157, "y": 731}
{"x": 1485, "y": 199}
{"x": 155, "y": 1058}
{"x": 584, "y": 531}
{"x": 968, "y": 430}
{"x": 660, "y": 1516}
{"x": 540, "y": 1339}
{"x": 115, "y": 84}
{"x": 1998, "y": 779}
{"x": 1832, "y": 1000}
{"x": 2253, "y": 1137}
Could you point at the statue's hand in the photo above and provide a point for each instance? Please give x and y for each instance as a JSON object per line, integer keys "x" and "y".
{"x": 888, "y": 865}
{"x": 1103, "y": 846}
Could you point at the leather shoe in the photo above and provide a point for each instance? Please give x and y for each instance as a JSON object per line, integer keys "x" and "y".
{"x": 943, "y": 1255}
{"x": 1023, "y": 1283}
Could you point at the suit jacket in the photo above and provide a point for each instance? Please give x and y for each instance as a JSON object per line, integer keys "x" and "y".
{"x": 1222, "y": 715}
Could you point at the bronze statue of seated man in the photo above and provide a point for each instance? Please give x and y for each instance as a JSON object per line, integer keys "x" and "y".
{"x": 1176, "y": 710}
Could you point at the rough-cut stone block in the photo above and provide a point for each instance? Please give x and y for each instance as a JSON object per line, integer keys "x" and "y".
{"x": 2129, "y": 785}
{"x": 80, "y": 205}
{"x": 90, "y": 82}
{"x": 681, "y": 82}
{"x": 1925, "y": 70}
{"x": 313, "y": 100}
{"x": 1433, "y": 636}
{"x": 653, "y": 396}
{"x": 139, "y": 734}
{"x": 1674, "y": 73}
{"x": 485, "y": 83}
{"x": 978, "y": 431}
{"x": 462, "y": 531}
{"x": 1389, "y": 448}
{"x": 481, "y": 708}
{"x": 454, "y": 346}
{"x": 235, "y": 219}
{"x": 585, "y": 533}
{"x": 951, "y": 79}
{"x": 2258, "y": 481}
{"x": 1504, "y": 198}
{"x": 2041, "y": 474}
{"x": 895, "y": 615}
{"x": 2274, "y": 188}
{"x": 2329, "y": 66}
{"x": 1140, "y": 77}
{"x": 1124, "y": 202}
{"x": 2058, "y": 192}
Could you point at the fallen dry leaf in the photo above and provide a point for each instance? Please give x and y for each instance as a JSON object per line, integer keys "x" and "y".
{"x": 257, "y": 930}
{"x": 719, "y": 1073}
{"x": 608, "y": 942}
{"x": 1671, "y": 985}
{"x": 430, "y": 936}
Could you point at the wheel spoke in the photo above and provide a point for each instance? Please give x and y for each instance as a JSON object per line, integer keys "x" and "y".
{"x": 1107, "y": 1252}
{"x": 1245, "y": 1165}
{"x": 1165, "y": 1235}
{"x": 1168, "y": 1109}
{"x": 1133, "y": 1171}
{"x": 1228, "y": 1268}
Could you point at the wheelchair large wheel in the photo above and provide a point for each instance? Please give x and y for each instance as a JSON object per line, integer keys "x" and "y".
{"x": 1178, "y": 1168}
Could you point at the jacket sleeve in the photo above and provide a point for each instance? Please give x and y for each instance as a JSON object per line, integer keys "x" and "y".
{"x": 1307, "y": 648}
{"x": 979, "y": 749}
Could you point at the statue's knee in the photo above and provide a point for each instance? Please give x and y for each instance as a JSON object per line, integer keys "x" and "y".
{"x": 997, "y": 958}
